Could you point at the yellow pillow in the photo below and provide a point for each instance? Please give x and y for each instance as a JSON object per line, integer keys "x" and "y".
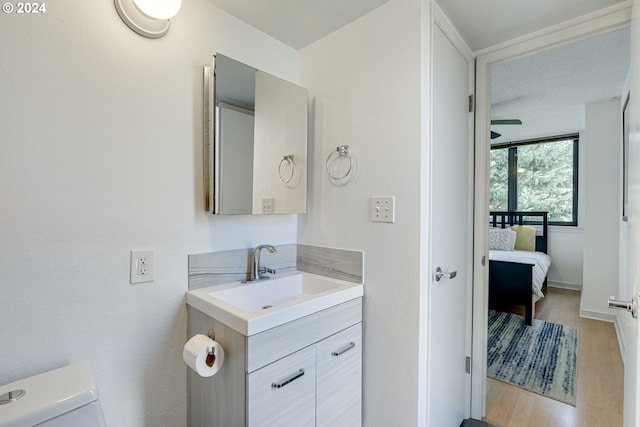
{"x": 525, "y": 238}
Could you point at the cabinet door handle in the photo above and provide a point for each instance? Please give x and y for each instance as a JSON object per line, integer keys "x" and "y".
{"x": 288, "y": 380}
{"x": 344, "y": 350}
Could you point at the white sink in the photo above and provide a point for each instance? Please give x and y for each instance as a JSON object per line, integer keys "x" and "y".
{"x": 253, "y": 307}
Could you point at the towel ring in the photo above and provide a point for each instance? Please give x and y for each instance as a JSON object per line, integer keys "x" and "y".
{"x": 286, "y": 164}
{"x": 342, "y": 152}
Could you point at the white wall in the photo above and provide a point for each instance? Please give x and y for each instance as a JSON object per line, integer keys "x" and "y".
{"x": 100, "y": 153}
{"x": 602, "y": 209}
{"x": 566, "y": 243}
{"x": 364, "y": 82}
{"x": 565, "y": 249}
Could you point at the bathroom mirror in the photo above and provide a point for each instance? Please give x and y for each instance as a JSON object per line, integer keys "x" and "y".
{"x": 255, "y": 141}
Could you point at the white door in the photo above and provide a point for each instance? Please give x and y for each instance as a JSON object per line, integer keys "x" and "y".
{"x": 630, "y": 325}
{"x": 451, "y": 240}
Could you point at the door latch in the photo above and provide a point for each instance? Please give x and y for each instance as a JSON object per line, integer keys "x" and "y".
{"x": 439, "y": 274}
{"x": 630, "y": 306}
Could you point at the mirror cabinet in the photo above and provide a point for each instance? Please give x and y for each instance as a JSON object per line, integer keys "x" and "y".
{"x": 255, "y": 141}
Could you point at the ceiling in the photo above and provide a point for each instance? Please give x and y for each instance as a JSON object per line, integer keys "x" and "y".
{"x": 549, "y": 91}
{"x": 298, "y": 23}
{"x": 546, "y": 91}
{"x": 486, "y": 23}
{"x": 482, "y": 24}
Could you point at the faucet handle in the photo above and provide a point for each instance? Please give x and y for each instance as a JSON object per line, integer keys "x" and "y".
{"x": 266, "y": 270}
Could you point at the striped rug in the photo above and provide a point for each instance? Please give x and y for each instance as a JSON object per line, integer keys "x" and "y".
{"x": 541, "y": 358}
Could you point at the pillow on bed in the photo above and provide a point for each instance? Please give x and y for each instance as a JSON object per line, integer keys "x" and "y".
{"x": 525, "y": 238}
{"x": 502, "y": 239}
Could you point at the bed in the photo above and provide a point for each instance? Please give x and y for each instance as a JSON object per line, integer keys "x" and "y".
{"x": 518, "y": 265}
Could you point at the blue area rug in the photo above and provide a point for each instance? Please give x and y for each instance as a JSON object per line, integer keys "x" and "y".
{"x": 542, "y": 358}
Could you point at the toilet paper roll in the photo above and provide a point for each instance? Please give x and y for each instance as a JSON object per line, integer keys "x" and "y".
{"x": 204, "y": 355}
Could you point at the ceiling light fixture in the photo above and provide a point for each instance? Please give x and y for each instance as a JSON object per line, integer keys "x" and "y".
{"x": 149, "y": 18}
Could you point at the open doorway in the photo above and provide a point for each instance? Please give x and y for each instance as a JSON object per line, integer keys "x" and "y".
{"x": 567, "y": 268}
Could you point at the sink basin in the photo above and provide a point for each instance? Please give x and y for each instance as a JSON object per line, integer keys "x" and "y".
{"x": 253, "y": 307}
{"x": 270, "y": 293}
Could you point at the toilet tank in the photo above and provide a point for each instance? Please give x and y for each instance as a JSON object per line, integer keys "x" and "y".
{"x": 65, "y": 397}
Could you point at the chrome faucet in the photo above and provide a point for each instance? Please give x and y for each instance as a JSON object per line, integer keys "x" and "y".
{"x": 257, "y": 272}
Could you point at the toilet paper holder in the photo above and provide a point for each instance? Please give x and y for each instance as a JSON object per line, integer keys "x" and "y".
{"x": 203, "y": 355}
{"x": 211, "y": 334}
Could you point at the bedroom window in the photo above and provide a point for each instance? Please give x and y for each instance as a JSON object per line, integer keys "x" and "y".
{"x": 539, "y": 175}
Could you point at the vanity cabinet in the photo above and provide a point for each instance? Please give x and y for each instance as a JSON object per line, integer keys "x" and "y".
{"x": 303, "y": 373}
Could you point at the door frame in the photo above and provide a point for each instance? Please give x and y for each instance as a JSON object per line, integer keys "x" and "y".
{"x": 600, "y": 22}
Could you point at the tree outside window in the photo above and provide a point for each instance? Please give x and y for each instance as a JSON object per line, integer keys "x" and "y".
{"x": 536, "y": 176}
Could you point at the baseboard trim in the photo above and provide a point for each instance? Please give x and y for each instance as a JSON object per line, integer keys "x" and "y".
{"x": 621, "y": 340}
{"x": 598, "y": 315}
{"x": 563, "y": 285}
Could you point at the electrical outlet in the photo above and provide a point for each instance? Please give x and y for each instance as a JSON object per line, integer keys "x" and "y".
{"x": 382, "y": 209}
{"x": 141, "y": 269}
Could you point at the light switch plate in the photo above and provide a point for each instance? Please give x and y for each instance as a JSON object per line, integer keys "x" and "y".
{"x": 382, "y": 209}
{"x": 267, "y": 206}
{"x": 142, "y": 266}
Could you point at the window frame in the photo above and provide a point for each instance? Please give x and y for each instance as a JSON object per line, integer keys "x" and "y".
{"x": 512, "y": 173}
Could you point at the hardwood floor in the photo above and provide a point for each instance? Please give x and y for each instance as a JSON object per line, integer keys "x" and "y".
{"x": 600, "y": 376}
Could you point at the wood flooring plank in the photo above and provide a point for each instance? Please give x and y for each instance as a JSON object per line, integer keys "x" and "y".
{"x": 600, "y": 376}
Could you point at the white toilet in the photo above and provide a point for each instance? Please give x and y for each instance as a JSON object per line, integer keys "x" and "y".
{"x": 65, "y": 397}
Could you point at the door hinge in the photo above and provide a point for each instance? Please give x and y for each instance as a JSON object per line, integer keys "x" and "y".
{"x": 467, "y": 365}
{"x": 470, "y": 103}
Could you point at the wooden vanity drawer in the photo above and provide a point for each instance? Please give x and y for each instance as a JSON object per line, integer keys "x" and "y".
{"x": 283, "y": 393}
{"x": 276, "y": 343}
